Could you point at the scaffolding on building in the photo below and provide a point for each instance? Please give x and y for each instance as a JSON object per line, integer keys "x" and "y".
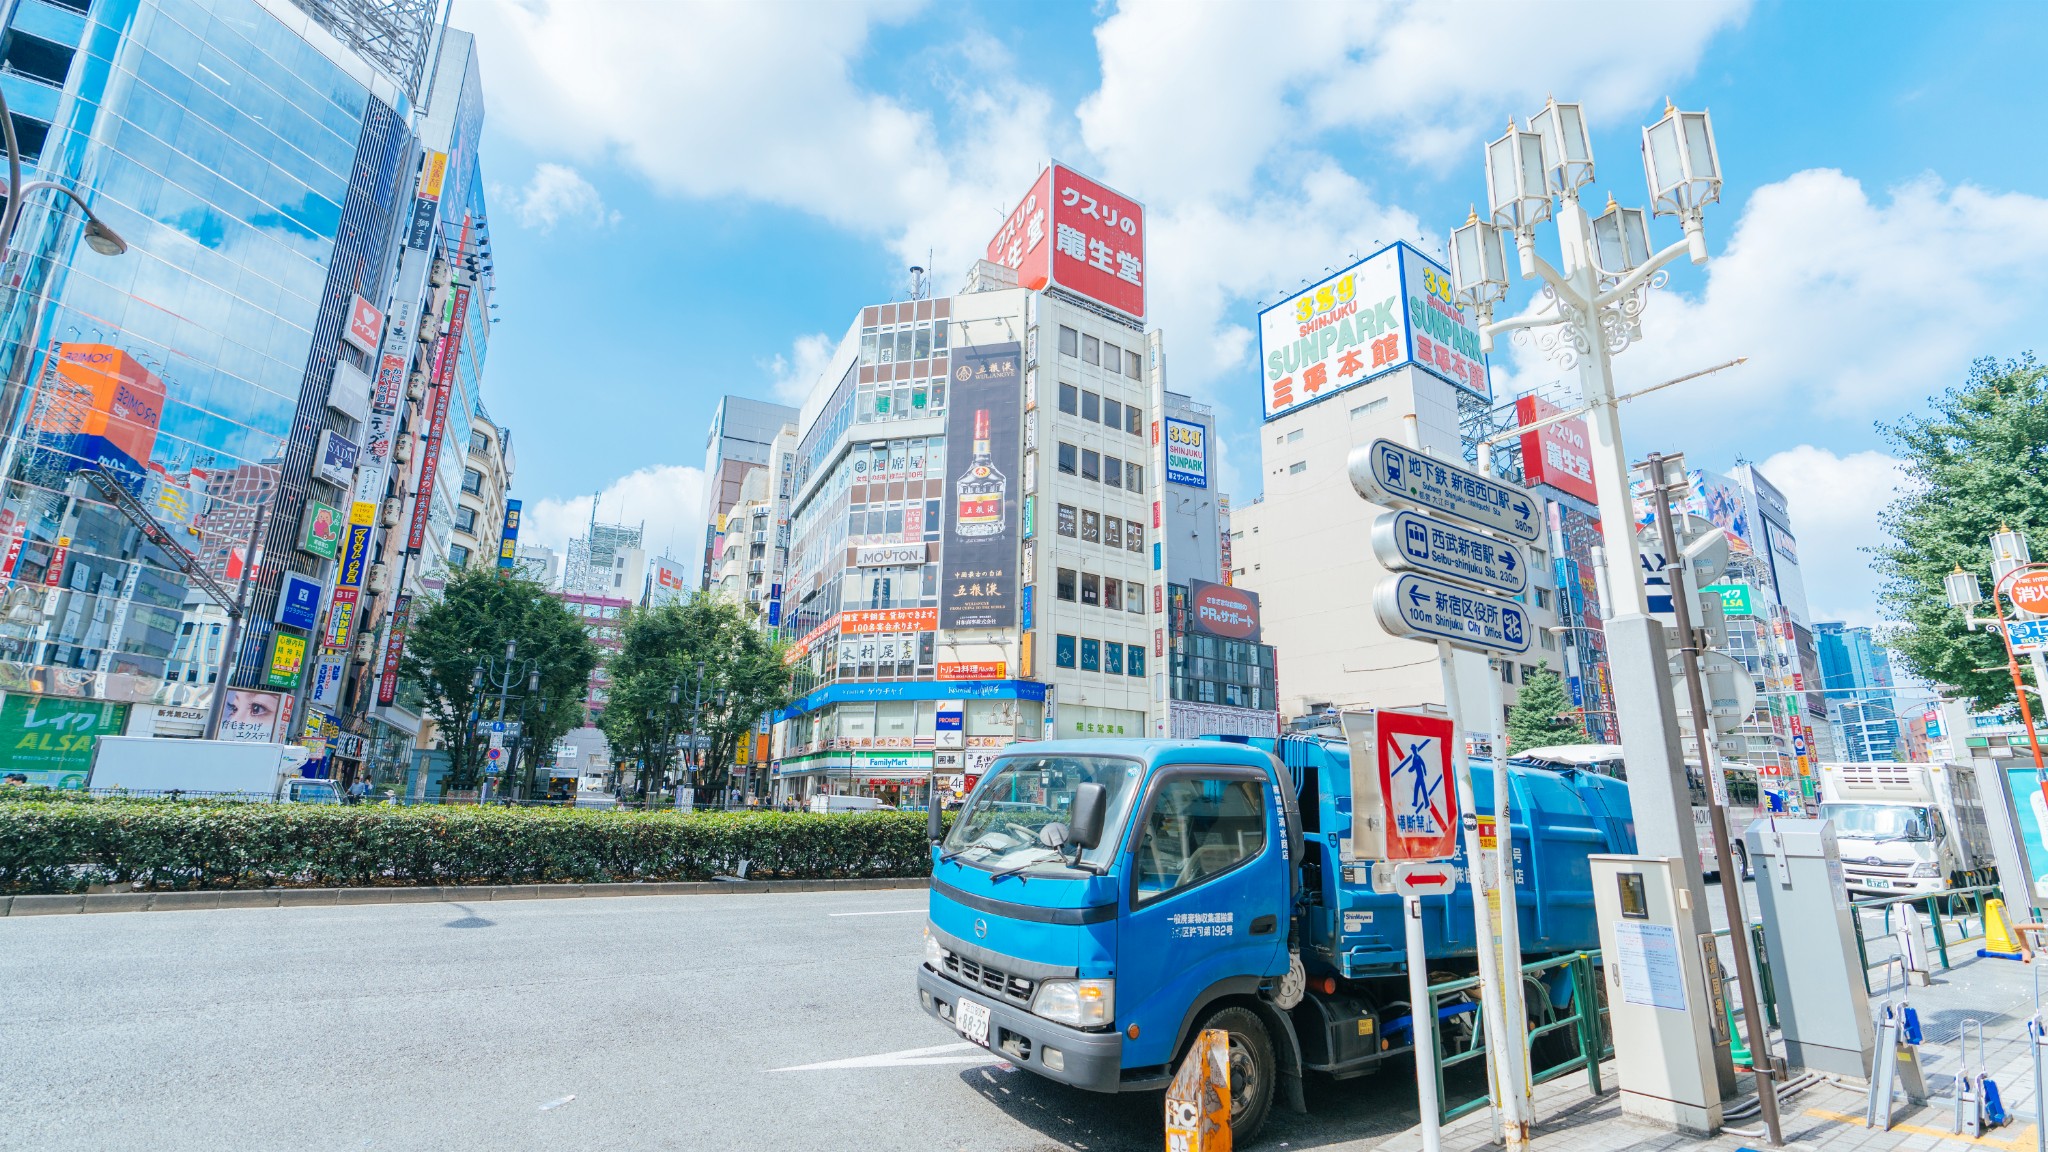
{"x": 594, "y": 555}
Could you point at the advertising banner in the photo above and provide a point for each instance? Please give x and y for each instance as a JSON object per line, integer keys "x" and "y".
{"x": 1023, "y": 243}
{"x": 430, "y": 459}
{"x": 1187, "y": 453}
{"x": 974, "y": 670}
{"x": 978, "y": 569}
{"x": 250, "y": 717}
{"x": 1073, "y": 232}
{"x": 874, "y": 621}
{"x": 670, "y": 583}
{"x": 326, "y": 690}
{"x": 50, "y": 739}
{"x": 1390, "y": 310}
{"x": 355, "y": 556}
{"x": 365, "y": 325}
{"x": 298, "y": 601}
{"x": 287, "y": 660}
{"x": 1220, "y": 610}
{"x": 387, "y": 681}
{"x": 508, "y": 538}
{"x": 1556, "y": 454}
{"x": 341, "y": 619}
{"x": 320, "y": 530}
{"x": 335, "y": 460}
{"x": 889, "y": 555}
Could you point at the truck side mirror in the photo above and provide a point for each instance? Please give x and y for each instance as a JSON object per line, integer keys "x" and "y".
{"x": 935, "y": 822}
{"x": 1085, "y": 819}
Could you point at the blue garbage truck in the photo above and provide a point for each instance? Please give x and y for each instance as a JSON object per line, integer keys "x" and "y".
{"x": 1098, "y": 903}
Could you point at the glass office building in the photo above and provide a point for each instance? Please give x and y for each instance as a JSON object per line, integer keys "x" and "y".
{"x": 256, "y": 166}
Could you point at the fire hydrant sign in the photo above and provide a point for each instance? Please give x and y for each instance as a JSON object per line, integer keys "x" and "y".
{"x": 1418, "y": 790}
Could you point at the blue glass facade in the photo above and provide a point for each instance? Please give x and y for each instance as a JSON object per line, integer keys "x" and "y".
{"x": 259, "y": 177}
{"x": 1856, "y": 675}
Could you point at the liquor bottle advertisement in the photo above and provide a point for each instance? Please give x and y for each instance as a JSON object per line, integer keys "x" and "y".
{"x": 978, "y": 571}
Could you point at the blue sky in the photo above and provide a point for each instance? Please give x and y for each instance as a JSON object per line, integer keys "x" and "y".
{"x": 689, "y": 201}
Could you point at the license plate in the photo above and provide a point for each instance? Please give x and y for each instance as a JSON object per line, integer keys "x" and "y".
{"x": 1876, "y": 882}
{"x": 972, "y": 1020}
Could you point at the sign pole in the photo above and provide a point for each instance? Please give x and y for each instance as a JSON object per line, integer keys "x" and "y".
{"x": 1481, "y": 884}
{"x": 1521, "y": 1111}
{"x": 1422, "y": 1023}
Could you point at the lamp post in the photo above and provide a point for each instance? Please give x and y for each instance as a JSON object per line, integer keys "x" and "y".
{"x": 513, "y": 672}
{"x": 1589, "y": 309}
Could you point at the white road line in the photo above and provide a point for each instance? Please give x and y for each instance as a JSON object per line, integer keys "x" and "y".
{"x": 891, "y": 912}
{"x": 963, "y": 1053}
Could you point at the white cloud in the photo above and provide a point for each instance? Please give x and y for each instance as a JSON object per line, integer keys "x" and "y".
{"x": 1834, "y": 501}
{"x": 556, "y": 193}
{"x": 667, "y": 499}
{"x": 791, "y": 376}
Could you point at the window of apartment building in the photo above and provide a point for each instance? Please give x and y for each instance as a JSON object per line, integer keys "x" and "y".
{"x": 465, "y": 520}
{"x": 1134, "y": 597}
{"x": 1067, "y": 520}
{"x": 1070, "y": 341}
{"x": 472, "y": 480}
{"x": 1549, "y": 641}
{"x": 1112, "y": 472}
{"x": 1091, "y": 350}
{"x": 1091, "y": 589}
{"x": 458, "y": 556}
{"x": 1091, "y": 407}
{"x": 1070, "y": 399}
{"x": 1134, "y": 365}
{"x": 1091, "y": 527}
{"x": 1091, "y": 464}
{"x": 1068, "y": 454}
{"x": 1067, "y": 581}
{"x": 1507, "y": 672}
{"x": 1113, "y": 595}
{"x": 1528, "y": 670}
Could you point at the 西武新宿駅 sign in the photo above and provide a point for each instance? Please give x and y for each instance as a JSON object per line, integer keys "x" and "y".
{"x": 1408, "y": 539}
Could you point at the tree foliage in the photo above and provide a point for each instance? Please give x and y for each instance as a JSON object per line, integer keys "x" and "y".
{"x": 1543, "y": 713}
{"x": 1977, "y": 461}
{"x": 469, "y": 622}
{"x": 722, "y": 672}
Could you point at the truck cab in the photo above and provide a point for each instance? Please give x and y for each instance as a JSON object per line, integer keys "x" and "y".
{"x": 1906, "y": 829}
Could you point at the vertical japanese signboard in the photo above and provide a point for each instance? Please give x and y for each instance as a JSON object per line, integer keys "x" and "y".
{"x": 508, "y": 538}
{"x": 430, "y": 457}
{"x": 978, "y": 572}
{"x": 387, "y": 679}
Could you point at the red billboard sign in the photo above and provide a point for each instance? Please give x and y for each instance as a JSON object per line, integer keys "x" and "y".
{"x": 1071, "y": 231}
{"x": 365, "y": 325}
{"x": 1559, "y": 453}
{"x": 1221, "y": 610}
{"x": 1418, "y": 789}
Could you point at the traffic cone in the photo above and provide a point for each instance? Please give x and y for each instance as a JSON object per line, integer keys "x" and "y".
{"x": 1999, "y": 939}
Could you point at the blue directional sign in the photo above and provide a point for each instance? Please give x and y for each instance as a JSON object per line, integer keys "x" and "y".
{"x": 1413, "y": 540}
{"x": 2028, "y": 635}
{"x": 1425, "y": 608}
{"x": 1389, "y": 474}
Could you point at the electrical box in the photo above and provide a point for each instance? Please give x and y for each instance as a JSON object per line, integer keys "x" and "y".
{"x": 1810, "y": 937}
{"x": 1659, "y": 992}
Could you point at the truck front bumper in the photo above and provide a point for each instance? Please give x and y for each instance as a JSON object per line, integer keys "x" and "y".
{"x": 1091, "y": 1060}
{"x": 1892, "y": 885}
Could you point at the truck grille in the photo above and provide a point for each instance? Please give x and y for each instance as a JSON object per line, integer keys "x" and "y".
{"x": 995, "y": 980}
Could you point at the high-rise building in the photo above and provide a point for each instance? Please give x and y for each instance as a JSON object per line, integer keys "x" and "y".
{"x": 257, "y": 158}
{"x": 741, "y": 442}
{"x": 975, "y": 557}
{"x": 606, "y": 561}
{"x": 1856, "y": 675}
{"x": 480, "y": 505}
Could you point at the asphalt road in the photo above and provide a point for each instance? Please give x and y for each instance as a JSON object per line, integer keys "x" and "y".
{"x": 692, "y": 1022}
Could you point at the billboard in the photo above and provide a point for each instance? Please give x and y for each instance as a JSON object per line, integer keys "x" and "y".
{"x": 508, "y": 537}
{"x": 321, "y": 530}
{"x": 100, "y": 398}
{"x": 287, "y": 660}
{"x": 298, "y": 601}
{"x": 670, "y": 582}
{"x": 1557, "y": 454}
{"x": 1187, "y": 453}
{"x": 1390, "y": 310}
{"x": 1221, "y": 610}
{"x": 335, "y": 459}
{"x": 50, "y": 739}
{"x": 1071, "y": 232}
{"x": 365, "y": 325}
{"x": 978, "y": 568}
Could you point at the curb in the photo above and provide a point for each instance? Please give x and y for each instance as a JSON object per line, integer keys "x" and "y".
{"x": 62, "y": 905}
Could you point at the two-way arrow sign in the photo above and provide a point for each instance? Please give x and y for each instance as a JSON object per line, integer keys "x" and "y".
{"x": 1419, "y": 878}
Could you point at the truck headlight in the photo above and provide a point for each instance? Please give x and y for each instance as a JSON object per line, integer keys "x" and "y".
{"x": 934, "y": 955}
{"x": 1927, "y": 870}
{"x": 1080, "y": 1003}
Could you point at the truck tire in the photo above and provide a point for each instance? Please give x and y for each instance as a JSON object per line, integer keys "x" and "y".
{"x": 1742, "y": 866}
{"x": 1253, "y": 1071}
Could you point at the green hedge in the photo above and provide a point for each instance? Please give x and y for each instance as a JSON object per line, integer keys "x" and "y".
{"x": 66, "y": 846}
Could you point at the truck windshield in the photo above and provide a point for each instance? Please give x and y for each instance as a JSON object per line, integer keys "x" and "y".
{"x": 1879, "y": 821}
{"x": 1001, "y": 827}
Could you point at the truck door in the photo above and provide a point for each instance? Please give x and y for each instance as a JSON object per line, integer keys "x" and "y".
{"x": 1206, "y": 899}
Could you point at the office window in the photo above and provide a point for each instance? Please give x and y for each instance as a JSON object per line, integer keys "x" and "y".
{"x": 1297, "y": 468}
{"x": 1134, "y": 536}
{"x": 1091, "y": 589}
{"x": 1070, "y": 341}
{"x": 1113, "y": 596}
{"x": 458, "y": 556}
{"x": 1091, "y": 464}
{"x": 1543, "y": 597}
{"x": 1113, "y": 659}
{"x": 1070, "y": 399}
{"x": 1112, "y": 532}
{"x": 1295, "y": 435}
{"x": 1134, "y": 659}
{"x": 1067, "y": 457}
{"x": 1134, "y": 478}
{"x": 1112, "y": 356}
{"x": 1091, "y": 527}
{"x": 1134, "y": 420}
{"x": 1112, "y": 413}
{"x": 1112, "y": 472}
{"x": 1091, "y": 655}
{"x": 472, "y": 481}
{"x": 1528, "y": 670}
{"x": 1369, "y": 406}
{"x": 1134, "y": 365}
{"x": 1066, "y": 584}
{"x": 1507, "y": 672}
{"x": 1063, "y": 646}
{"x": 1091, "y": 407}
{"x": 1134, "y": 597}
{"x": 1066, "y": 520}
{"x": 465, "y": 520}
{"x": 1091, "y": 350}
{"x": 1549, "y": 641}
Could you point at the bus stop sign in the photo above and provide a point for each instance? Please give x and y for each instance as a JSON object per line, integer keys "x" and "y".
{"x": 1418, "y": 790}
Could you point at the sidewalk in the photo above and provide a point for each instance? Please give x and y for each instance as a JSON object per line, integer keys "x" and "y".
{"x": 1827, "y": 1115}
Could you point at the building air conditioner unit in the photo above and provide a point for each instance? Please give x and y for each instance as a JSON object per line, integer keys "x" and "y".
{"x": 394, "y": 510}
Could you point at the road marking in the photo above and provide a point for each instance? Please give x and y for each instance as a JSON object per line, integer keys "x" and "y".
{"x": 2025, "y": 1139}
{"x": 962, "y": 1053}
{"x": 891, "y": 912}
{"x": 551, "y": 1105}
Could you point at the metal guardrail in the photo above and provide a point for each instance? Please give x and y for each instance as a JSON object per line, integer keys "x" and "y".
{"x": 1586, "y": 1026}
{"x": 1937, "y": 905}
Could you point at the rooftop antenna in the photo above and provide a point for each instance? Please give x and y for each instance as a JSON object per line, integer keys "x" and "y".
{"x": 918, "y": 286}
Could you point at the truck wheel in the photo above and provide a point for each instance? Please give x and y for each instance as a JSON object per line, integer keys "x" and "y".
{"x": 1253, "y": 1071}
{"x": 1742, "y": 868}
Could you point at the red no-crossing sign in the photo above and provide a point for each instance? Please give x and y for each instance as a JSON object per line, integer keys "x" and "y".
{"x": 1418, "y": 789}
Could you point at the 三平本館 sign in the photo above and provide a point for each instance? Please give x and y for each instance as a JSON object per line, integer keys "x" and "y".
{"x": 1424, "y": 608}
{"x": 1412, "y": 540}
{"x": 1387, "y": 473}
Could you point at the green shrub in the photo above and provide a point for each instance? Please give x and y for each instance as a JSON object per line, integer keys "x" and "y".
{"x": 64, "y": 845}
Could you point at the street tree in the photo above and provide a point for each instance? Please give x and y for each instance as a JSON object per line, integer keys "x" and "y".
{"x": 1976, "y": 462}
{"x": 1543, "y": 714}
{"x": 698, "y": 667}
{"x": 466, "y": 626}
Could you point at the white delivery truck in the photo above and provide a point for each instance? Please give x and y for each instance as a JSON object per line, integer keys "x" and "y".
{"x": 1907, "y": 828}
{"x": 205, "y": 769}
{"x": 828, "y": 803}
{"x": 1744, "y": 795}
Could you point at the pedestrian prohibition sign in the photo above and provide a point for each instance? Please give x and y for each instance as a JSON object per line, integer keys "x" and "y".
{"x": 1417, "y": 787}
